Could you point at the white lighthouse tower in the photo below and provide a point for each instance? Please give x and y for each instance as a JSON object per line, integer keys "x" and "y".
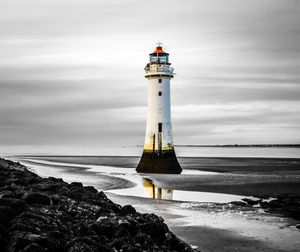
{"x": 159, "y": 155}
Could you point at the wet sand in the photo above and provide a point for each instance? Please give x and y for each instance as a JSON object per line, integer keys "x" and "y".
{"x": 240, "y": 184}
{"x": 209, "y": 226}
{"x": 240, "y": 176}
{"x": 221, "y": 227}
{"x": 74, "y": 174}
{"x": 214, "y": 164}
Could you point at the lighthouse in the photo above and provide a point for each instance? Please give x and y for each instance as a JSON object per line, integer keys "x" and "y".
{"x": 159, "y": 154}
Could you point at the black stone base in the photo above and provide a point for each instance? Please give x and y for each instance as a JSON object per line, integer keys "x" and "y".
{"x": 152, "y": 162}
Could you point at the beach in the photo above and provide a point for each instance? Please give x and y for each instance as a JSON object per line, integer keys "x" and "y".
{"x": 204, "y": 205}
{"x": 48, "y": 214}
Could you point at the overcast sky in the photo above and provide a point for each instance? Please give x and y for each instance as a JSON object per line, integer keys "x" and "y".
{"x": 71, "y": 72}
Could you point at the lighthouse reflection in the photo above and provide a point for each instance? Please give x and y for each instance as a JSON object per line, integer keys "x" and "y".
{"x": 154, "y": 192}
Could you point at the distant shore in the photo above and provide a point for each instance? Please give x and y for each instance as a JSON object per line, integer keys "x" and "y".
{"x": 239, "y": 145}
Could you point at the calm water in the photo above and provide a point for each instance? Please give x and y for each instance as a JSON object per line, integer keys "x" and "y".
{"x": 275, "y": 152}
{"x": 181, "y": 151}
{"x": 144, "y": 186}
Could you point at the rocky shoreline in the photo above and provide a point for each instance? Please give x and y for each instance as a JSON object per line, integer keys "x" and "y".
{"x": 47, "y": 214}
{"x": 287, "y": 205}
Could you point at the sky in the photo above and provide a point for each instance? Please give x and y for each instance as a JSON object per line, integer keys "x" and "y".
{"x": 72, "y": 72}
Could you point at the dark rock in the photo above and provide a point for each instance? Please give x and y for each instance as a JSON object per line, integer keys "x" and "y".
{"x": 119, "y": 243}
{"x": 6, "y": 214}
{"x": 101, "y": 195}
{"x": 176, "y": 244}
{"x": 264, "y": 204}
{"x": 91, "y": 189}
{"x": 293, "y": 201}
{"x": 76, "y": 184}
{"x": 104, "y": 227}
{"x": 33, "y": 247}
{"x": 262, "y": 196}
{"x": 80, "y": 247}
{"x": 298, "y": 226}
{"x": 16, "y": 204}
{"x": 8, "y": 195}
{"x": 91, "y": 243}
{"x": 144, "y": 239}
{"x": 105, "y": 210}
{"x": 48, "y": 187}
{"x": 22, "y": 227}
{"x": 251, "y": 202}
{"x": 3, "y": 236}
{"x": 128, "y": 209}
{"x": 238, "y": 203}
{"x": 55, "y": 180}
{"x": 156, "y": 230}
{"x": 38, "y": 198}
{"x": 32, "y": 180}
{"x": 18, "y": 243}
{"x": 55, "y": 200}
{"x": 276, "y": 204}
{"x": 292, "y": 211}
{"x": 286, "y": 205}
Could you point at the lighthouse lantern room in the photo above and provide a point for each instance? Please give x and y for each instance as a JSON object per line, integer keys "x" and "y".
{"x": 159, "y": 154}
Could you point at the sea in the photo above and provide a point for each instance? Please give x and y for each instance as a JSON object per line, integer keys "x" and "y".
{"x": 141, "y": 185}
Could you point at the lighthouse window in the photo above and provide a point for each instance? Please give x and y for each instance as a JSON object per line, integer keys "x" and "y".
{"x": 159, "y": 80}
{"x": 159, "y": 127}
{"x": 159, "y": 93}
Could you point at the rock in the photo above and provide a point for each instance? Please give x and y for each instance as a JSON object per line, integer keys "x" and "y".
{"x": 76, "y": 184}
{"x": 8, "y": 194}
{"x": 6, "y": 214}
{"x": 80, "y": 247}
{"x": 264, "y": 204}
{"x": 293, "y": 201}
{"x": 262, "y": 196}
{"x": 104, "y": 227}
{"x": 38, "y": 198}
{"x": 3, "y": 236}
{"x": 22, "y": 227}
{"x": 101, "y": 195}
{"x": 128, "y": 209}
{"x": 251, "y": 202}
{"x": 276, "y": 204}
{"x": 33, "y": 247}
{"x": 48, "y": 187}
{"x": 293, "y": 211}
{"x": 176, "y": 244}
{"x": 156, "y": 230}
{"x": 55, "y": 200}
{"x": 91, "y": 189}
{"x": 238, "y": 203}
{"x": 18, "y": 243}
{"x": 91, "y": 243}
{"x": 144, "y": 239}
{"x": 56, "y": 180}
{"x": 105, "y": 210}
{"x": 33, "y": 180}
{"x": 16, "y": 204}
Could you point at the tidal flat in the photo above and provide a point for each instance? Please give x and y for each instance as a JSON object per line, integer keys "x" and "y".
{"x": 206, "y": 202}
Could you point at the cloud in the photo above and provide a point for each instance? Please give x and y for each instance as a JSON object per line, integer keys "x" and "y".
{"x": 71, "y": 72}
